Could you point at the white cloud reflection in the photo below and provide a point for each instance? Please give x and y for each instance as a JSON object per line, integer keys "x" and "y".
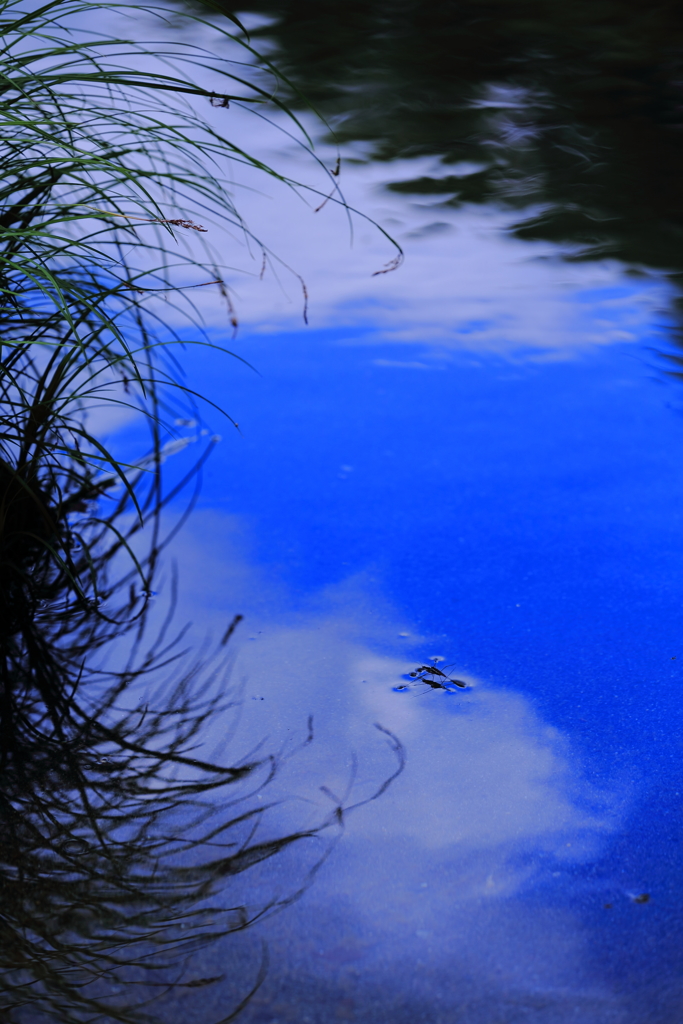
{"x": 484, "y": 769}
{"x": 466, "y": 283}
{"x": 491, "y": 809}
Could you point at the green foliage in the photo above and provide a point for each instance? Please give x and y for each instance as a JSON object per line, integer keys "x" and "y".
{"x": 103, "y": 165}
{"x": 106, "y": 159}
{"x": 116, "y": 837}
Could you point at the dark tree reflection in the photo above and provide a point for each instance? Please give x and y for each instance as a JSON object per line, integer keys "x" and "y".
{"x": 575, "y": 109}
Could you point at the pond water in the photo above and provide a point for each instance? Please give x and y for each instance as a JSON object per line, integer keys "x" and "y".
{"x": 475, "y": 458}
{"x": 520, "y": 519}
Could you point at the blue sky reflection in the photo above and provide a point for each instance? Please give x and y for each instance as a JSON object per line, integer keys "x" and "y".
{"x": 520, "y": 519}
{"x": 474, "y": 457}
{"x": 494, "y": 804}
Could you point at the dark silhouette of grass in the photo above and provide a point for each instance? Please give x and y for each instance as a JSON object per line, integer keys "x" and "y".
{"x": 120, "y": 843}
{"x": 118, "y": 839}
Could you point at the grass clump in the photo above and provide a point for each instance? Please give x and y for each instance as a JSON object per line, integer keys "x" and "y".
{"x": 117, "y": 837}
{"x": 100, "y": 162}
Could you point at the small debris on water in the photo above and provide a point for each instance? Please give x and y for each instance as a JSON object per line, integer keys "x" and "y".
{"x": 432, "y": 677}
{"x": 641, "y": 897}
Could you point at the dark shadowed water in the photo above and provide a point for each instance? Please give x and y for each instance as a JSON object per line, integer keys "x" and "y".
{"x": 474, "y": 462}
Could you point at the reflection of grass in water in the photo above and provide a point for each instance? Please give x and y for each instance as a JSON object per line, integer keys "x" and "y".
{"x": 117, "y": 840}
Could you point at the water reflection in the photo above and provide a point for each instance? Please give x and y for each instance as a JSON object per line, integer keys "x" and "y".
{"x": 519, "y": 156}
{"x": 516, "y": 520}
{"x": 451, "y": 891}
{"x": 575, "y": 110}
{"x": 467, "y": 284}
{"x": 523, "y": 513}
{"x": 128, "y": 849}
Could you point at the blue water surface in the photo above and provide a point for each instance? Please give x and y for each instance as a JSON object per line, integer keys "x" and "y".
{"x": 521, "y": 515}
